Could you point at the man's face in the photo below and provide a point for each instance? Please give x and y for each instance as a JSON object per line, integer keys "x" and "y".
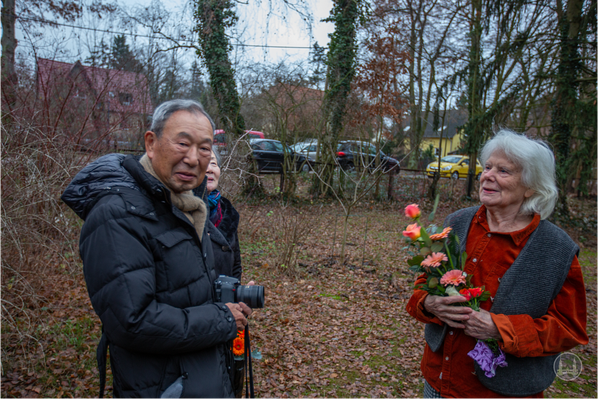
{"x": 181, "y": 155}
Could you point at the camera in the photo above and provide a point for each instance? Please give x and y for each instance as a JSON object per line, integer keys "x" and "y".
{"x": 229, "y": 289}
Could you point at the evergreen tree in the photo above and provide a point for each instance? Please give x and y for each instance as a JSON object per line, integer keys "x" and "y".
{"x": 99, "y": 56}
{"x": 318, "y": 60}
{"x": 121, "y": 56}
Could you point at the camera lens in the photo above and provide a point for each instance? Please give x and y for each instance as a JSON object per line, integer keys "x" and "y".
{"x": 251, "y": 295}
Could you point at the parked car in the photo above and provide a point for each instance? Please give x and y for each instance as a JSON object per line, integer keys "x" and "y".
{"x": 351, "y": 154}
{"x": 308, "y": 149}
{"x": 454, "y": 166}
{"x": 220, "y": 138}
{"x": 269, "y": 156}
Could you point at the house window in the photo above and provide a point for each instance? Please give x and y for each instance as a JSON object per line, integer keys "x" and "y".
{"x": 125, "y": 98}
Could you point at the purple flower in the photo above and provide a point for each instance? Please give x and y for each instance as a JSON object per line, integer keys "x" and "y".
{"x": 486, "y": 359}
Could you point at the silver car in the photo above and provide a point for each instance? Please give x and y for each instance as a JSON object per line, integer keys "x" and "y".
{"x": 308, "y": 149}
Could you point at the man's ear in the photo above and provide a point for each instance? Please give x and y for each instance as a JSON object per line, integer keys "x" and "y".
{"x": 151, "y": 141}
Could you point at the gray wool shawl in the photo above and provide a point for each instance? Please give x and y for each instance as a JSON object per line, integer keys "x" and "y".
{"x": 528, "y": 287}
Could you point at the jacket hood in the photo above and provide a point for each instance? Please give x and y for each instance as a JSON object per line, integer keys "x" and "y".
{"x": 93, "y": 180}
{"x": 110, "y": 171}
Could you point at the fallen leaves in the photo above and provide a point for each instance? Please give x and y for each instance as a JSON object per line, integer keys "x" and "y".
{"x": 335, "y": 331}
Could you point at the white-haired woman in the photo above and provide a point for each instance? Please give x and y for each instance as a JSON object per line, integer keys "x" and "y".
{"x": 537, "y": 307}
{"x": 223, "y": 224}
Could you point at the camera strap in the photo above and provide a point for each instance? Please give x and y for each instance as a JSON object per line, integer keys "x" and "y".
{"x": 249, "y": 393}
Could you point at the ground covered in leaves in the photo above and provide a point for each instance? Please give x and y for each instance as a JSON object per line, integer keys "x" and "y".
{"x": 329, "y": 329}
{"x": 341, "y": 330}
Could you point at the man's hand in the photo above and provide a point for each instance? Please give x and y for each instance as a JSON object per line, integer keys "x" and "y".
{"x": 240, "y": 312}
{"x": 480, "y": 326}
{"x": 441, "y": 307}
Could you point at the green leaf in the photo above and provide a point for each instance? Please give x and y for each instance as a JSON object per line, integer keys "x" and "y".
{"x": 425, "y": 251}
{"x": 431, "y": 215}
{"x": 417, "y": 269}
{"x": 485, "y": 296}
{"x": 468, "y": 279}
{"x": 425, "y": 237}
{"x": 437, "y": 247}
{"x": 416, "y": 260}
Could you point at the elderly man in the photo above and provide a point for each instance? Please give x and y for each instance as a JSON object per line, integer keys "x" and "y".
{"x": 147, "y": 263}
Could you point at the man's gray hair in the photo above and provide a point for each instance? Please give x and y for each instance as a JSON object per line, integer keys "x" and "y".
{"x": 537, "y": 164}
{"x": 166, "y": 109}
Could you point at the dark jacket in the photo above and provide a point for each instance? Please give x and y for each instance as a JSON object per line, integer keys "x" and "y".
{"x": 150, "y": 280}
{"x": 225, "y": 242}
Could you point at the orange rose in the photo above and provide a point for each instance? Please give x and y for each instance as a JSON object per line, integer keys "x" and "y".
{"x": 412, "y": 231}
{"x": 412, "y": 211}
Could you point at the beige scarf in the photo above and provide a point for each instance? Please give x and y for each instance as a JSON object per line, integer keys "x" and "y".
{"x": 193, "y": 207}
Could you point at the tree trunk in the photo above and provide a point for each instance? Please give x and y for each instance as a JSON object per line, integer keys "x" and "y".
{"x": 475, "y": 127}
{"x": 9, "y": 77}
{"x": 341, "y": 70}
{"x": 212, "y": 18}
{"x": 565, "y": 100}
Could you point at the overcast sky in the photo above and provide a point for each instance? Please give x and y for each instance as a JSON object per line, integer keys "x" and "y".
{"x": 281, "y": 31}
{"x": 270, "y": 23}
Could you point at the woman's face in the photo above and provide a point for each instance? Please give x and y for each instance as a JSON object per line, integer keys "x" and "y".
{"x": 213, "y": 174}
{"x": 500, "y": 184}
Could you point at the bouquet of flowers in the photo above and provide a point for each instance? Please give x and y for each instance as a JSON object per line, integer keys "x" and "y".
{"x": 436, "y": 252}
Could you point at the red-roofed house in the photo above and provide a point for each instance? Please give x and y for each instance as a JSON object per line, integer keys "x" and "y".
{"x": 96, "y": 104}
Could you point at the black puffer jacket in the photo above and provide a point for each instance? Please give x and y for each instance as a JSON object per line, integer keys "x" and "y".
{"x": 225, "y": 242}
{"x": 150, "y": 281}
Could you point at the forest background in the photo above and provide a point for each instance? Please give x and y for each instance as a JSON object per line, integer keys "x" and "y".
{"x": 326, "y": 242}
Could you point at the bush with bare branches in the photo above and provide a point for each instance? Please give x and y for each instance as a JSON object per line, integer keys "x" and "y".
{"x": 38, "y": 232}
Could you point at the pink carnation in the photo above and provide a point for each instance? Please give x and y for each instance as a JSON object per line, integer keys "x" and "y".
{"x": 434, "y": 259}
{"x": 453, "y": 277}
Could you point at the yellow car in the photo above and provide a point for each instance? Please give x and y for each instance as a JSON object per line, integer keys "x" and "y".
{"x": 453, "y": 166}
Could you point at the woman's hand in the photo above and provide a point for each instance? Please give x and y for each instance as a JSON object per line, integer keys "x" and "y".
{"x": 443, "y": 308}
{"x": 480, "y": 326}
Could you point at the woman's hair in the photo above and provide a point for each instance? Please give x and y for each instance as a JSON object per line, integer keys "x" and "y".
{"x": 215, "y": 149}
{"x": 166, "y": 109}
{"x": 537, "y": 164}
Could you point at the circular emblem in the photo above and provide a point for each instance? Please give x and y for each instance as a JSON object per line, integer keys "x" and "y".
{"x": 567, "y": 366}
